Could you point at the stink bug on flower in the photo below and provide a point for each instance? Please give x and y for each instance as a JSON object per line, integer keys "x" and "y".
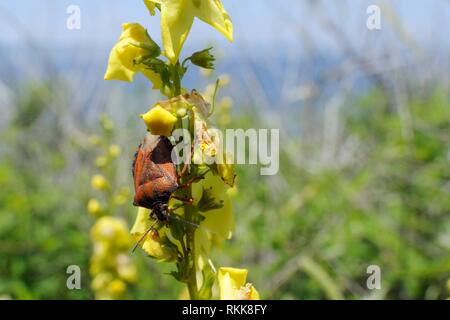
{"x": 154, "y": 174}
{"x": 155, "y": 178}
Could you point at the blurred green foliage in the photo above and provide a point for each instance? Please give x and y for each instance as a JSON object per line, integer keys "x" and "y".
{"x": 303, "y": 234}
{"x": 312, "y": 234}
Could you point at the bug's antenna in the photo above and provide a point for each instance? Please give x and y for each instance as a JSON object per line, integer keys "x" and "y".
{"x": 184, "y": 221}
{"x": 144, "y": 235}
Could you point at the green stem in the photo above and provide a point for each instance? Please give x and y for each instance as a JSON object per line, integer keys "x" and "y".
{"x": 190, "y": 254}
{"x": 189, "y": 211}
{"x": 176, "y": 79}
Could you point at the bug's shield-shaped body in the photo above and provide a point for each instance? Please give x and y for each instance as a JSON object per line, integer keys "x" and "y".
{"x": 154, "y": 174}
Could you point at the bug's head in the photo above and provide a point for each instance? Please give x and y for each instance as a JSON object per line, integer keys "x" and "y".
{"x": 161, "y": 210}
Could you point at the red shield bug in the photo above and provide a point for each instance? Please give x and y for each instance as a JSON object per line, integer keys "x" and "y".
{"x": 155, "y": 178}
{"x": 155, "y": 175}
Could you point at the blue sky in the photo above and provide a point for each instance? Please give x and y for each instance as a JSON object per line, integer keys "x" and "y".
{"x": 279, "y": 44}
{"x": 262, "y": 24}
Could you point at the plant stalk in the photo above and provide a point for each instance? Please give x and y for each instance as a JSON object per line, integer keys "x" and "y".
{"x": 190, "y": 254}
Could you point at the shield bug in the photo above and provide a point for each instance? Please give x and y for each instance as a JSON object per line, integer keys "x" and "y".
{"x": 155, "y": 175}
{"x": 155, "y": 179}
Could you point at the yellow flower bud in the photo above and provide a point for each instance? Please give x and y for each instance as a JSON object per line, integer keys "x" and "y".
{"x": 181, "y": 112}
{"x": 101, "y": 161}
{"x": 94, "y": 140}
{"x": 100, "y": 281}
{"x": 159, "y": 121}
{"x": 117, "y": 288}
{"x": 99, "y": 182}
{"x": 112, "y": 231}
{"x": 224, "y": 80}
{"x": 125, "y": 268}
{"x": 165, "y": 90}
{"x": 122, "y": 197}
{"x": 94, "y": 207}
{"x": 106, "y": 123}
{"x": 114, "y": 150}
{"x": 226, "y": 103}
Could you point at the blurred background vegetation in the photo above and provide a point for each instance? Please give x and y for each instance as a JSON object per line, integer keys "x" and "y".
{"x": 364, "y": 149}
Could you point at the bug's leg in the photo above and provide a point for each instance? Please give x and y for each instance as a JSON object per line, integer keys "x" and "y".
{"x": 191, "y": 181}
{"x": 180, "y": 175}
{"x": 185, "y": 165}
{"x": 184, "y": 200}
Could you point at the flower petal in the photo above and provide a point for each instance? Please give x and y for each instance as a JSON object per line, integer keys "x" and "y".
{"x": 232, "y": 285}
{"x": 230, "y": 280}
{"x": 151, "y": 5}
{"x": 121, "y": 64}
{"x": 116, "y": 70}
{"x": 213, "y": 13}
{"x": 176, "y": 22}
{"x": 219, "y": 223}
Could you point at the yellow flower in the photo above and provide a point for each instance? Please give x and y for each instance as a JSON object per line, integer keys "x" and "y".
{"x": 114, "y": 150}
{"x": 233, "y": 286}
{"x": 224, "y": 80}
{"x": 226, "y": 103}
{"x": 117, "y": 288}
{"x": 122, "y": 197}
{"x": 134, "y": 43}
{"x": 177, "y": 17}
{"x": 159, "y": 121}
{"x": 113, "y": 232}
{"x": 125, "y": 268}
{"x": 99, "y": 182}
{"x": 101, "y": 161}
{"x": 100, "y": 281}
{"x": 94, "y": 207}
{"x": 215, "y": 205}
{"x": 94, "y": 140}
{"x": 110, "y": 265}
{"x": 155, "y": 244}
{"x": 106, "y": 122}
{"x": 218, "y": 221}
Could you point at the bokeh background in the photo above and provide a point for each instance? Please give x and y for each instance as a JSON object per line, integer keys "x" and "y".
{"x": 364, "y": 120}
